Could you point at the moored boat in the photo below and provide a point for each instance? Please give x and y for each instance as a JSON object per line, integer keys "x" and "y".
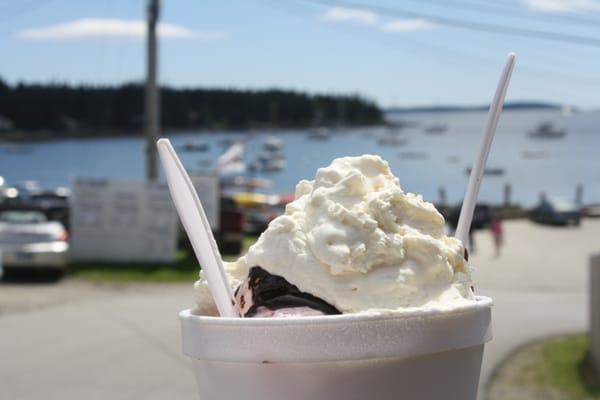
{"x": 547, "y": 131}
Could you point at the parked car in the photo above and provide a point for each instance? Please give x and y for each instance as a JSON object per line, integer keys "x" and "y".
{"x": 28, "y": 239}
{"x": 53, "y": 203}
{"x": 259, "y": 209}
{"x": 230, "y": 234}
{"x": 556, "y": 212}
{"x": 232, "y": 223}
{"x": 482, "y": 216}
{"x": 258, "y": 219}
{"x": 591, "y": 211}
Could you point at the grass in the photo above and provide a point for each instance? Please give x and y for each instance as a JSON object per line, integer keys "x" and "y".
{"x": 184, "y": 269}
{"x": 567, "y": 367}
{"x": 557, "y": 368}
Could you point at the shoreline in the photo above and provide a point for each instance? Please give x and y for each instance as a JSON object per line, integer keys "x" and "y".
{"x": 48, "y": 136}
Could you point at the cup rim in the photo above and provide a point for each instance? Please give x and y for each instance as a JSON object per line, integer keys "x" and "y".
{"x": 336, "y": 337}
{"x": 479, "y": 303}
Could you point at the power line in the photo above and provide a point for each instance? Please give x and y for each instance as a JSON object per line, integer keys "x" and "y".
{"x": 500, "y": 9}
{"x": 411, "y": 45}
{"x": 424, "y": 49}
{"x": 518, "y": 5}
{"x": 420, "y": 49}
{"x": 471, "y": 25}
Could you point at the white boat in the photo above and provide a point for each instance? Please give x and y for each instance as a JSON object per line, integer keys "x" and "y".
{"x": 547, "y": 131}
{"x": 390, "y": 140}
{"x": 269, "y": 161}
{"x": 535, "y": 155}
{"x": 232, "y": 160}
{"x": 398, "y": 125}
{"x": 491, "y": 171}
{"x": 413, "y": 155}
{"x": 274, "y": 165}
{"x": 192, "y": 146}
{"x": 436, "y": 129}
{"x": 319, "y": 134}
{"x": 273, "y": 143}
{"x": 567, "y": 111}
{"x": 268, "y": 156}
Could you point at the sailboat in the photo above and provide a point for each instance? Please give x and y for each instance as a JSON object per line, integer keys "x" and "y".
{"x": 547, "y": 131}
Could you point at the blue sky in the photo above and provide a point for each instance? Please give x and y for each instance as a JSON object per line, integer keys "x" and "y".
{"x": 395, "y": 60}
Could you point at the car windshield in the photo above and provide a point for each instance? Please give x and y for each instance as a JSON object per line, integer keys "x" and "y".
{"x": 562, "y": 205}
{"x": 22, "y": 217}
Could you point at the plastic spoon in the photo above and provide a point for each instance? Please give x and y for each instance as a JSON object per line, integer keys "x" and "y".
{"x": 468, "y": 206}
{"x": 197, "y": 228}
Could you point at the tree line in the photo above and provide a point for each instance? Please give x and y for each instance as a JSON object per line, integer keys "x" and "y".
{"x": 59, "y": 107}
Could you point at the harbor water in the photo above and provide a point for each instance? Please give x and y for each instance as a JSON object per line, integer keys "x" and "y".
{"x": 423, "y": 161}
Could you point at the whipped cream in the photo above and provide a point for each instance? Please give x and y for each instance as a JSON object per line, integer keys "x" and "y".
{"x": 355, "y": 239}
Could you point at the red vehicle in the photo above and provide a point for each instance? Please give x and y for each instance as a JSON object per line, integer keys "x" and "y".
{"x": 230, "y": 234}
{"x": 232, "y": 223}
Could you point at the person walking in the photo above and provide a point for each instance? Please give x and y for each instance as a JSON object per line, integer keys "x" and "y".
{"x": 497, "y": 233}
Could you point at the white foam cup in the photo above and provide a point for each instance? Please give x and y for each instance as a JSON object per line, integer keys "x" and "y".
{"x": 427, "y": 355}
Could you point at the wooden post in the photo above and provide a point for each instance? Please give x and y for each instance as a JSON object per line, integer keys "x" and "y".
{"x": 594, "y": 296}
{"x": 507, "y": 194}
{"x": 152, "y": 109}
{"x": 579, "y": 195}
{"x": 442, "y": 197}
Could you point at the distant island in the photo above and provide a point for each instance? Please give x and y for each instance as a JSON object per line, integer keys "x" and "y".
{"x": 36, "y": 111}
{"x": 516, "y": 105}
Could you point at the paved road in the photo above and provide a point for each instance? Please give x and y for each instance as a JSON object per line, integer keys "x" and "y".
{"x": 76, "y": 340}
{"x": 116, "y": 344}
{"x": 539, "y": 284}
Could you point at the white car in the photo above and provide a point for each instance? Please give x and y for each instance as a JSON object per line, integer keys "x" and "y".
{"x": 28, "y": 239}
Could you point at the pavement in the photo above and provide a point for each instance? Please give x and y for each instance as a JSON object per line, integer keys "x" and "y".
{"x": 79, "y": 340}
{"x": 539, "y": 284}
{"x": 115, "y": 343}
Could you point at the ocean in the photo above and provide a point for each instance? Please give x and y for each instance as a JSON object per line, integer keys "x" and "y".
{"x": 424, "y": 163}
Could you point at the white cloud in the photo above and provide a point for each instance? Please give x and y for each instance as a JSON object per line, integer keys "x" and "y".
{"x": 405, "y": 25}
{"x": 367, "y": 17}
{"x": 110, "y": 28}
{"x": 562, "y": 5}
{"x": 352, "y": 15}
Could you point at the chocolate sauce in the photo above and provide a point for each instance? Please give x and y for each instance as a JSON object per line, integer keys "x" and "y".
{"x": 275, "y": 292}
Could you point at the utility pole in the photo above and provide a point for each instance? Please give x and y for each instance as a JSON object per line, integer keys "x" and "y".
{"x": 152, "y": 100}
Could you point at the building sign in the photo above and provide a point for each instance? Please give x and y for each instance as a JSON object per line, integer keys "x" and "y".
{"x": 122, "y": 221}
